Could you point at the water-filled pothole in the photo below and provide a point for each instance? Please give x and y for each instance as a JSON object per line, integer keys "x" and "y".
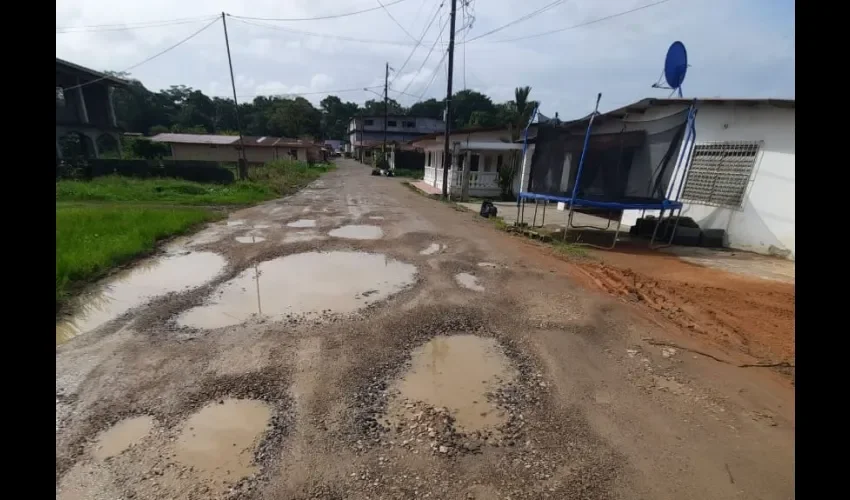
{"x": 250, "y": 239}
{"x": 469, "y": 281}
{"x": 456, "y": 373}
{"x": 358, "y": 232}
{"x": 219, "y": 440}
{"x": 153, "y": 278}
{"x": 236, "y": 222}
{"x": 262, "y": 226}
{"x": 302, "y": 223}
{"x": 306, "y": 284}
{"x": 122, "y": 436}
{"x": 301, "y": 236}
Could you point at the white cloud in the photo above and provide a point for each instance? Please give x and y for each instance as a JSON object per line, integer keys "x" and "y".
{"x": 736, "y": 49}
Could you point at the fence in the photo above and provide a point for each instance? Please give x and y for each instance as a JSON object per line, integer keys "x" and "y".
{"x": 484, "y": 184}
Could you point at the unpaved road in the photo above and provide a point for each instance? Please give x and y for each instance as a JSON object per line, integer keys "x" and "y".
{"x": 426, "y": 355}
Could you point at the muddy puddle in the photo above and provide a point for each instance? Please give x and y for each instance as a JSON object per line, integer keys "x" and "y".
{"x": 262, "y": 226}
{"x": 376, "y": 217}
{"x": 469, "y": 281}
{"x": 455, "y": 372}
{"x": 137, "y": 286}
{"x": 250, "y": 239}
{"x": 236, "y": 222}
{"x": 219, "y": 440}
{"x": 302, "y": 223}
{"x": 488, "y": 265}
{"x": 302, "y": 285}
{"x": 121, "y": 436}
{"x": 300, "y": 236}
{"x": 358, "y": 232}
{"x": 432, "y": 249}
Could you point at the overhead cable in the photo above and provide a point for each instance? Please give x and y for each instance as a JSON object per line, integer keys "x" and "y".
{"x": 319, "y": 18}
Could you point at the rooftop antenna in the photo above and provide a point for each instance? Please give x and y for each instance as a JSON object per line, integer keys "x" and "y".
{"x": 675, "y": 68}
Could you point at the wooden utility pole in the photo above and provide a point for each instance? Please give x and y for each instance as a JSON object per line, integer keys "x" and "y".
{"x": 447, "y": 162}
{"x": 243, "y": 162}
{"x": 386, "y": 107}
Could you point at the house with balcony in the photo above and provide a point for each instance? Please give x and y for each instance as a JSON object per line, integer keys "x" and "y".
{"x": 366, "y": 133}
{"x": 86, "y": 124}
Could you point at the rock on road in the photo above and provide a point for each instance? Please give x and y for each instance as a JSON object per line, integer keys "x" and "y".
{"x": 363, "y": 341}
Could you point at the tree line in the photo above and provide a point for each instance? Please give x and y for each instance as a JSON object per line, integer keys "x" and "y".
{"x": 183, "y": 109}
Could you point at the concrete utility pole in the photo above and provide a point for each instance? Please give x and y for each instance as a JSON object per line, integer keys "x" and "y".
{"x": 386, "y": 106}
{"x": 447, "y": 163}
{"x": 243, "y": 162}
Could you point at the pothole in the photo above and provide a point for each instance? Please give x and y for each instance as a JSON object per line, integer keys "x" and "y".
{"x": 121, "y": 436}
{"x": 262, "y": 226}
{"x": 358, "y": 232}
{"x": 469, "y": 281}
{"x": 302, "y": 223}
{"x": 219, "y": 440}
{"x": 376, "y": 217}
{"x": 488, "y": 265}
{"x": 153, "y": 278}
{"x": 300, "y": 236}
{"x": 236, "y": 222}
{"x": 308, "y": 285}
{"x": 432, "y": 249}
{"x": 250, "y": 239}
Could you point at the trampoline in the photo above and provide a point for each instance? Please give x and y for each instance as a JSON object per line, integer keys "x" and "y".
{"x": 642, "y": 167}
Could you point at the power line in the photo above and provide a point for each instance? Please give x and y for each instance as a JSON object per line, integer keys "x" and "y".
{"x": 426, "y": 59}
{"x": 325, "y": 35}
{"x": 519, "y": 20}
{"x": 138, "y": 24}
{"x": 300, "y": 94}
{"x": 126, "y": 28}
{"x": 418, "y": 44}
{"x": 319, "y": 18}
{"x": 181, "y": 42}
{"x": 618, "y": 14}
{"x": 433, "y": 76}
{"x": 399, "y": 24}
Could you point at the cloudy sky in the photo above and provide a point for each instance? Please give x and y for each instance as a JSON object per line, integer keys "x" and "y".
{"x": 737, "y": 48}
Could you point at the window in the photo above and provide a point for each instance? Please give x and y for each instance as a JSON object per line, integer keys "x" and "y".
{"x": 487, "y": 163}
{"x": 368, "y": 123}
{"x": 720, "y": 172}
{"x": 60, "y": 96}
{"x": 392, "y": 123}
{"x": 409, "y": 124}
{"x": 473, "y": 163}
{"x": 498, "y": 162}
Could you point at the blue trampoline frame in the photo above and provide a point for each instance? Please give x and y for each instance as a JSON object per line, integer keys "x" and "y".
{"x": 672, "y": 203}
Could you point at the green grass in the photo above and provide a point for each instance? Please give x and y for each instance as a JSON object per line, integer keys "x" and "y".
{"x": 408, "y": 173}
{"x": 91, "y": 240}
{"x": 170, "y": 191}
{"x": 285, "y": 177}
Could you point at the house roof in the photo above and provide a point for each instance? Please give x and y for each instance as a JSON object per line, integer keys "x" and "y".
{"x": 261, "y": 141}
{"x": 89, "y": 73}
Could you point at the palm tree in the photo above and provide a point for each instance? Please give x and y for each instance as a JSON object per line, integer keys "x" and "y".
{"x": 518, "y": 113}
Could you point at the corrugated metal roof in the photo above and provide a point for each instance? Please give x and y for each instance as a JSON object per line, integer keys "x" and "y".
{"x": 97, "y": 75}
{"x": 195, "y": 138}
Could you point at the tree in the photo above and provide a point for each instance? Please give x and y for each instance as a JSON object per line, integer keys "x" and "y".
{"x": 376, "y": 108}
{"x": 431, "y": 108}
{"x": 467, "y": 102}
{"x": 293, "y": 118}
{"x": 517, "y": 112}
{"x": 335, "y": 116}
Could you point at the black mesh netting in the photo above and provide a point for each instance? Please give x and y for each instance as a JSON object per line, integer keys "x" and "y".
{"x": 632, "y": 165}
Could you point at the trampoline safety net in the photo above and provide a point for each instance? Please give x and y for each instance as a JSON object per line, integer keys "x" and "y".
{"x": 633, "y": 164}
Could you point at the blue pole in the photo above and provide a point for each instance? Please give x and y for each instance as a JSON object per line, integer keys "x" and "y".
{"x": 584, "y": 150}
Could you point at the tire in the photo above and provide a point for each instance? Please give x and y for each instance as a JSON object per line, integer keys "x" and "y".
{"x": 714, "y": 238}
{"x": 687, "y": 236}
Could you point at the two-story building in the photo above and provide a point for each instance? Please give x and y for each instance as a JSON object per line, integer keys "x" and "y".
{"x": 367, "y": 132}
{"x": 86, "y": 124}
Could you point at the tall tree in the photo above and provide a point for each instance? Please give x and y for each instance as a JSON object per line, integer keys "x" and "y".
{"x": 376, "y": 108}
{"x": 430, "y": 108}
{"x": 335, "y": 116}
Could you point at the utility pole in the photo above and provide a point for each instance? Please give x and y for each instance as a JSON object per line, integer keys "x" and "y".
{"x": 386, "y": 107}
{"x": 243, "y": 162}
{"x": 447, "y": 163}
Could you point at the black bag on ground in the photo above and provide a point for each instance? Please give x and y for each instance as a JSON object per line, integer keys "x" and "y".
{"x": 488, "y": 209}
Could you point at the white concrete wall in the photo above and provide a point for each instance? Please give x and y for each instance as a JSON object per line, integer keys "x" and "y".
{"x": 765, "y": 221}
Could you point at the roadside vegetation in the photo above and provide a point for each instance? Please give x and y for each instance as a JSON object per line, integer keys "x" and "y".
{"x": 108, "y": 221}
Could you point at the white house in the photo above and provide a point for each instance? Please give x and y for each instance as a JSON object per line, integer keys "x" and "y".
{"x": 742, "y": 170}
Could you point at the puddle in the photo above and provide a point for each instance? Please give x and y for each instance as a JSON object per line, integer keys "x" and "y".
{"x": 219, "y": 440}
{"x": 300, "y": 236}
{"x": 456, "y": 372}
{"x": 488, "y": 265}
{"x": 235, "y": 222}
{"x": 467, "y": 280}
{"x": 136, "y": 286}
{"x": 122, "y": 436}
{"x": 376, "y": 217}
{"x": 302, "y": 223}
{"x": 432, "y": 249}
{"x": 262, "y": 226}
{"x": 250, "y": 239}
{"x": 358, "y": 232}
{"x": 308, "y": 284}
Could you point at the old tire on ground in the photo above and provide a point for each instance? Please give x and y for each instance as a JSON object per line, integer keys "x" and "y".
{"x": 714, "y": 238}
{"x": 687, "y": 236}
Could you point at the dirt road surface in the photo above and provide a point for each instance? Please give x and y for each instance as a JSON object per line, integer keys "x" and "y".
{"x": 357, "y": 340}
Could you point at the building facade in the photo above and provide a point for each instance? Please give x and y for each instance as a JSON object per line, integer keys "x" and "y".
{"x": 366, "y": 132}
{"x": 226, "y": 148}
{"x": 86, "y": 124}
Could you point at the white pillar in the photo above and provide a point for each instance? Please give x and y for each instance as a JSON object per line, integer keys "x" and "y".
{"x": 464, "y": 179}
{"x": 112, "y": 118}
{"x": 81, "y": 104}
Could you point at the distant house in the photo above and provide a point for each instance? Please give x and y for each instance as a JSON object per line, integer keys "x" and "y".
{"x": 86, "y": 124}
{"x": 333, "y": 145}
{"x": 367, "y": 132}
{"x": 225, "y": 148}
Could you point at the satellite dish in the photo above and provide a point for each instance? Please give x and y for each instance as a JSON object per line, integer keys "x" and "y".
{"x": 676, "y": 65}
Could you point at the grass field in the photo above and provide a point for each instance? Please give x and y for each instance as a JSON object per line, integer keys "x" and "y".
{"x": 108, "y": 221}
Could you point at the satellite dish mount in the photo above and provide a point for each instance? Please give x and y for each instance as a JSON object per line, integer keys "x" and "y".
{"x": 675, "y": 68}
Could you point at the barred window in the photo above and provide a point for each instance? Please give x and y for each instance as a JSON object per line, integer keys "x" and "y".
{"x": 719, "y": 173}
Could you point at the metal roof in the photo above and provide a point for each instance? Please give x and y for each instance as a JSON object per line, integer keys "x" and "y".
{"x": 195, "y": 138}
{"x": 95, "y": 75}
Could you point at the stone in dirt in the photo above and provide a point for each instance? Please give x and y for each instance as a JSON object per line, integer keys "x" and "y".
{"x": 310, "y": 284}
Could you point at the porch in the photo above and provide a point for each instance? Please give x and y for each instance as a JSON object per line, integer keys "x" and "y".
{"x": 480, "y": 161}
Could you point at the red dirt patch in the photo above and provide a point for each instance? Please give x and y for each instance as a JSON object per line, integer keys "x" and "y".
{"x": 739, "y": 314}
